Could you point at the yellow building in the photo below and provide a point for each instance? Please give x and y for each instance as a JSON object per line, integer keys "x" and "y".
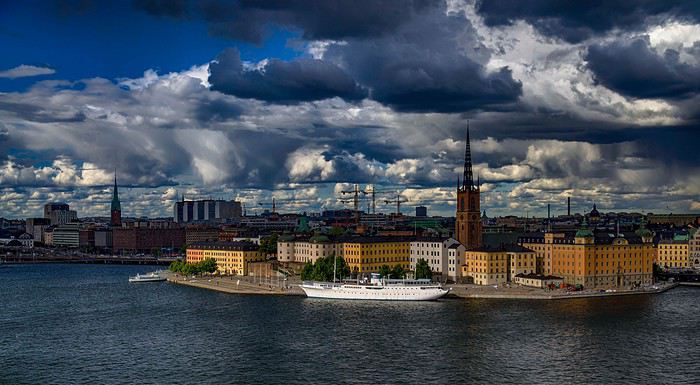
{"x": 497, "y": 265}
{"x": 368, "y": 254}
{"x": 231, "y": 257}
{"x": 602, "y": 260}
{"x": 672, "y": 253}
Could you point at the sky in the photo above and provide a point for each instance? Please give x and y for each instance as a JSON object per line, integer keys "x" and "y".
{"x": 299, "y": 100}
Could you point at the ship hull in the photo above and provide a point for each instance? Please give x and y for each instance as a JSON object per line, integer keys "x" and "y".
{"x": 377, "y": 293}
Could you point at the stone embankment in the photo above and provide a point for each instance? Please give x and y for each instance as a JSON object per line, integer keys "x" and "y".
{"x": 239, "y": 285}
{"x": 521, "y": 292}
{"x": 249, "y": 285}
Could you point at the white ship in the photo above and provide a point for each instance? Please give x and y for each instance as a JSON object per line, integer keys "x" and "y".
{"x": 377, "y": 289}
{"x": 150, "y": 277}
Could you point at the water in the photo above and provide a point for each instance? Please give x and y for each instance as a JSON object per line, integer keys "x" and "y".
{"x": 72, "y": 324}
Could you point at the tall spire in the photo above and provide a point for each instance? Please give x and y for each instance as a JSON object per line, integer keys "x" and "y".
{"x": 116, "y": 205}
{"x": 468, "y": 180}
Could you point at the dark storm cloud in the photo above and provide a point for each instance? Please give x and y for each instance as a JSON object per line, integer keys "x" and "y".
{"x": 315, "y": 19}
{"x": 282, "y": 82}
{"x": 431, "y": 64}
{"x": 634, "y": 69}
{"x": 575, "y": 21}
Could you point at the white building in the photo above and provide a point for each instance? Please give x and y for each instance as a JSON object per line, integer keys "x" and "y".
{"x": 694, "y": 251}
{"x": 67, "y": 235}
{"x": 455, "y": 260}
{"x": 290, "y": 249}
{"x": 435, "y": 252}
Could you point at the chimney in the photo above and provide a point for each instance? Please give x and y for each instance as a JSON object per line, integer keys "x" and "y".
{"x": 568, "y": 206}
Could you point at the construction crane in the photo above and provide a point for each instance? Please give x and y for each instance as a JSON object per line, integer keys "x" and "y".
{"x": 274, "y": 202}
{"x": 398, "y": 200}
{"x": 355, "y": 200}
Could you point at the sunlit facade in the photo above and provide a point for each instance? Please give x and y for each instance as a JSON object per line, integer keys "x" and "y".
{"x": 231, "y": 258}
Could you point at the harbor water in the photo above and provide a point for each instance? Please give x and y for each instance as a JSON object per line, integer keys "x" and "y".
{"x": 86, "y": 324}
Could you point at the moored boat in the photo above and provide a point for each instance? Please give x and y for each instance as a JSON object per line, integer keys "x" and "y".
{"x": 149, "y": 277}
{"x": 377, "y": 289}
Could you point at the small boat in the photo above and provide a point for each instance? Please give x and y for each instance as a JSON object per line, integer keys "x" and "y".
{"x": 150, "y": 277}
{"x": 377, "y": 289}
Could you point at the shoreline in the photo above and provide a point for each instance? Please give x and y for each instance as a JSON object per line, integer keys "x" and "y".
{"x": 243, "y": 285}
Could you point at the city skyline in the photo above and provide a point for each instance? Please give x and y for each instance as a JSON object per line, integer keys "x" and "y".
{"x": 302, "y": 100}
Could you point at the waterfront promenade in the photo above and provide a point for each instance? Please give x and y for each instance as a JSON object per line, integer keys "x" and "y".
{"x": 251, "y": 285}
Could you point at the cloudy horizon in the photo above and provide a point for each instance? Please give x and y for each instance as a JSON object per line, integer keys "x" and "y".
{"x": 300, "y": 100}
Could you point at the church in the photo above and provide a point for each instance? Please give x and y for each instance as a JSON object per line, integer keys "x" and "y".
{"x": 468, "y": 219}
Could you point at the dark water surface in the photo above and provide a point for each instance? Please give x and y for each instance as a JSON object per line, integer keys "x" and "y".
{"x": 70, "y": 324}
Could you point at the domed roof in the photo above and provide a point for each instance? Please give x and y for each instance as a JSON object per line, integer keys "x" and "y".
{"x": 594, "y": 212}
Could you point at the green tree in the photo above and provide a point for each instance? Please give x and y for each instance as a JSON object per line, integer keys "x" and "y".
{"x": 398, "y": 272}
{"x": 268, "y": 245}
{"x": 336, "y": 231}
{"x": 208, "y": 266}
{"x": 307, "y": 272}
{"x": 385, "y": 271}
{"x": 423, "y": 270}
{"x": 322, "y": 270}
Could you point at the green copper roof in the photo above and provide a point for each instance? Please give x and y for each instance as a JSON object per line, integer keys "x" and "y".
{"x": 643, "y": 231}
{"x": 584, "y": 232}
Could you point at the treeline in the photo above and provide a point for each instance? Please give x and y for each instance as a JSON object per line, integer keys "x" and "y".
{"x": 205, "y": 266}
{"x": 322, "y": 270}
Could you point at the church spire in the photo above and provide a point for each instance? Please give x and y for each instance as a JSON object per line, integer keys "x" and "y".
{"x": 468, "y": 180}
{"x": 116, "y": 205}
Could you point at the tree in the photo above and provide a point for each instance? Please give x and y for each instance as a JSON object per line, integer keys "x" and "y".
{"x": 268, "y": 245}
{"x": 398, "y": 272}
{"x": 336, "y": 231}
{"x": 208, "y": 266}
{"x": 423, "y": 270}
{"x": 385, "y": 271}
{"x": 322, "y": 270}
{"x": 307, "y": 272}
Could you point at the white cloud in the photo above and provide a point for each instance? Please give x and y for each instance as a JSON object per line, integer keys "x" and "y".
{"x": 24, "y": 70}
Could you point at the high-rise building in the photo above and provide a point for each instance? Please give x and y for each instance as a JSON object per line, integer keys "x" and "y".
{"x": 116, "y": 209}
{"x": 206, "y": 211}
{"x": 421, "y": 211}
{"x": 59, "y": 213}
{"x": 468, "y": 219}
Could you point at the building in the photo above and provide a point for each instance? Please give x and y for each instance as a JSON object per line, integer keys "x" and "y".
{"x": 486, "y": 265}
{"x": 538, "y": 280}
{"x": 198, "y": 233}
{"x": 66, "y": 235}
{"x": 468, "y": 217}
{"x": 59, "y": 213}
{"x": 596, "y": 260}
{"x": 86, "y": 238}
{"x": 48, "y": 236}
{"x": 116, "y": 206}
{"x": 231, "y": 258}
{"x": 103, "y": 239}
{"x": 455, "y": 260}
{"x": 146, "y": 239}
{"x": 678, "y": 220}
{"x": 672, "y": 253}
{"x": 206, "y": 211}
{"x": 434, "y": 251}
{"x": 368, "y": 254}
{"x": 421, "y": 211}
{"x": 36, "y": 226}
{"x": 307, "y": 249}
{"x": 694, "y": 250}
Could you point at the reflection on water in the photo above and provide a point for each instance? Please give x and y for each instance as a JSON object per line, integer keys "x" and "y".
{"x": 87, "y": 324}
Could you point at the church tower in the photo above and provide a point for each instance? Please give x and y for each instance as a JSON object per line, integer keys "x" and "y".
{"x": 116, "y": 210}
{"x": 468, "y": 224}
